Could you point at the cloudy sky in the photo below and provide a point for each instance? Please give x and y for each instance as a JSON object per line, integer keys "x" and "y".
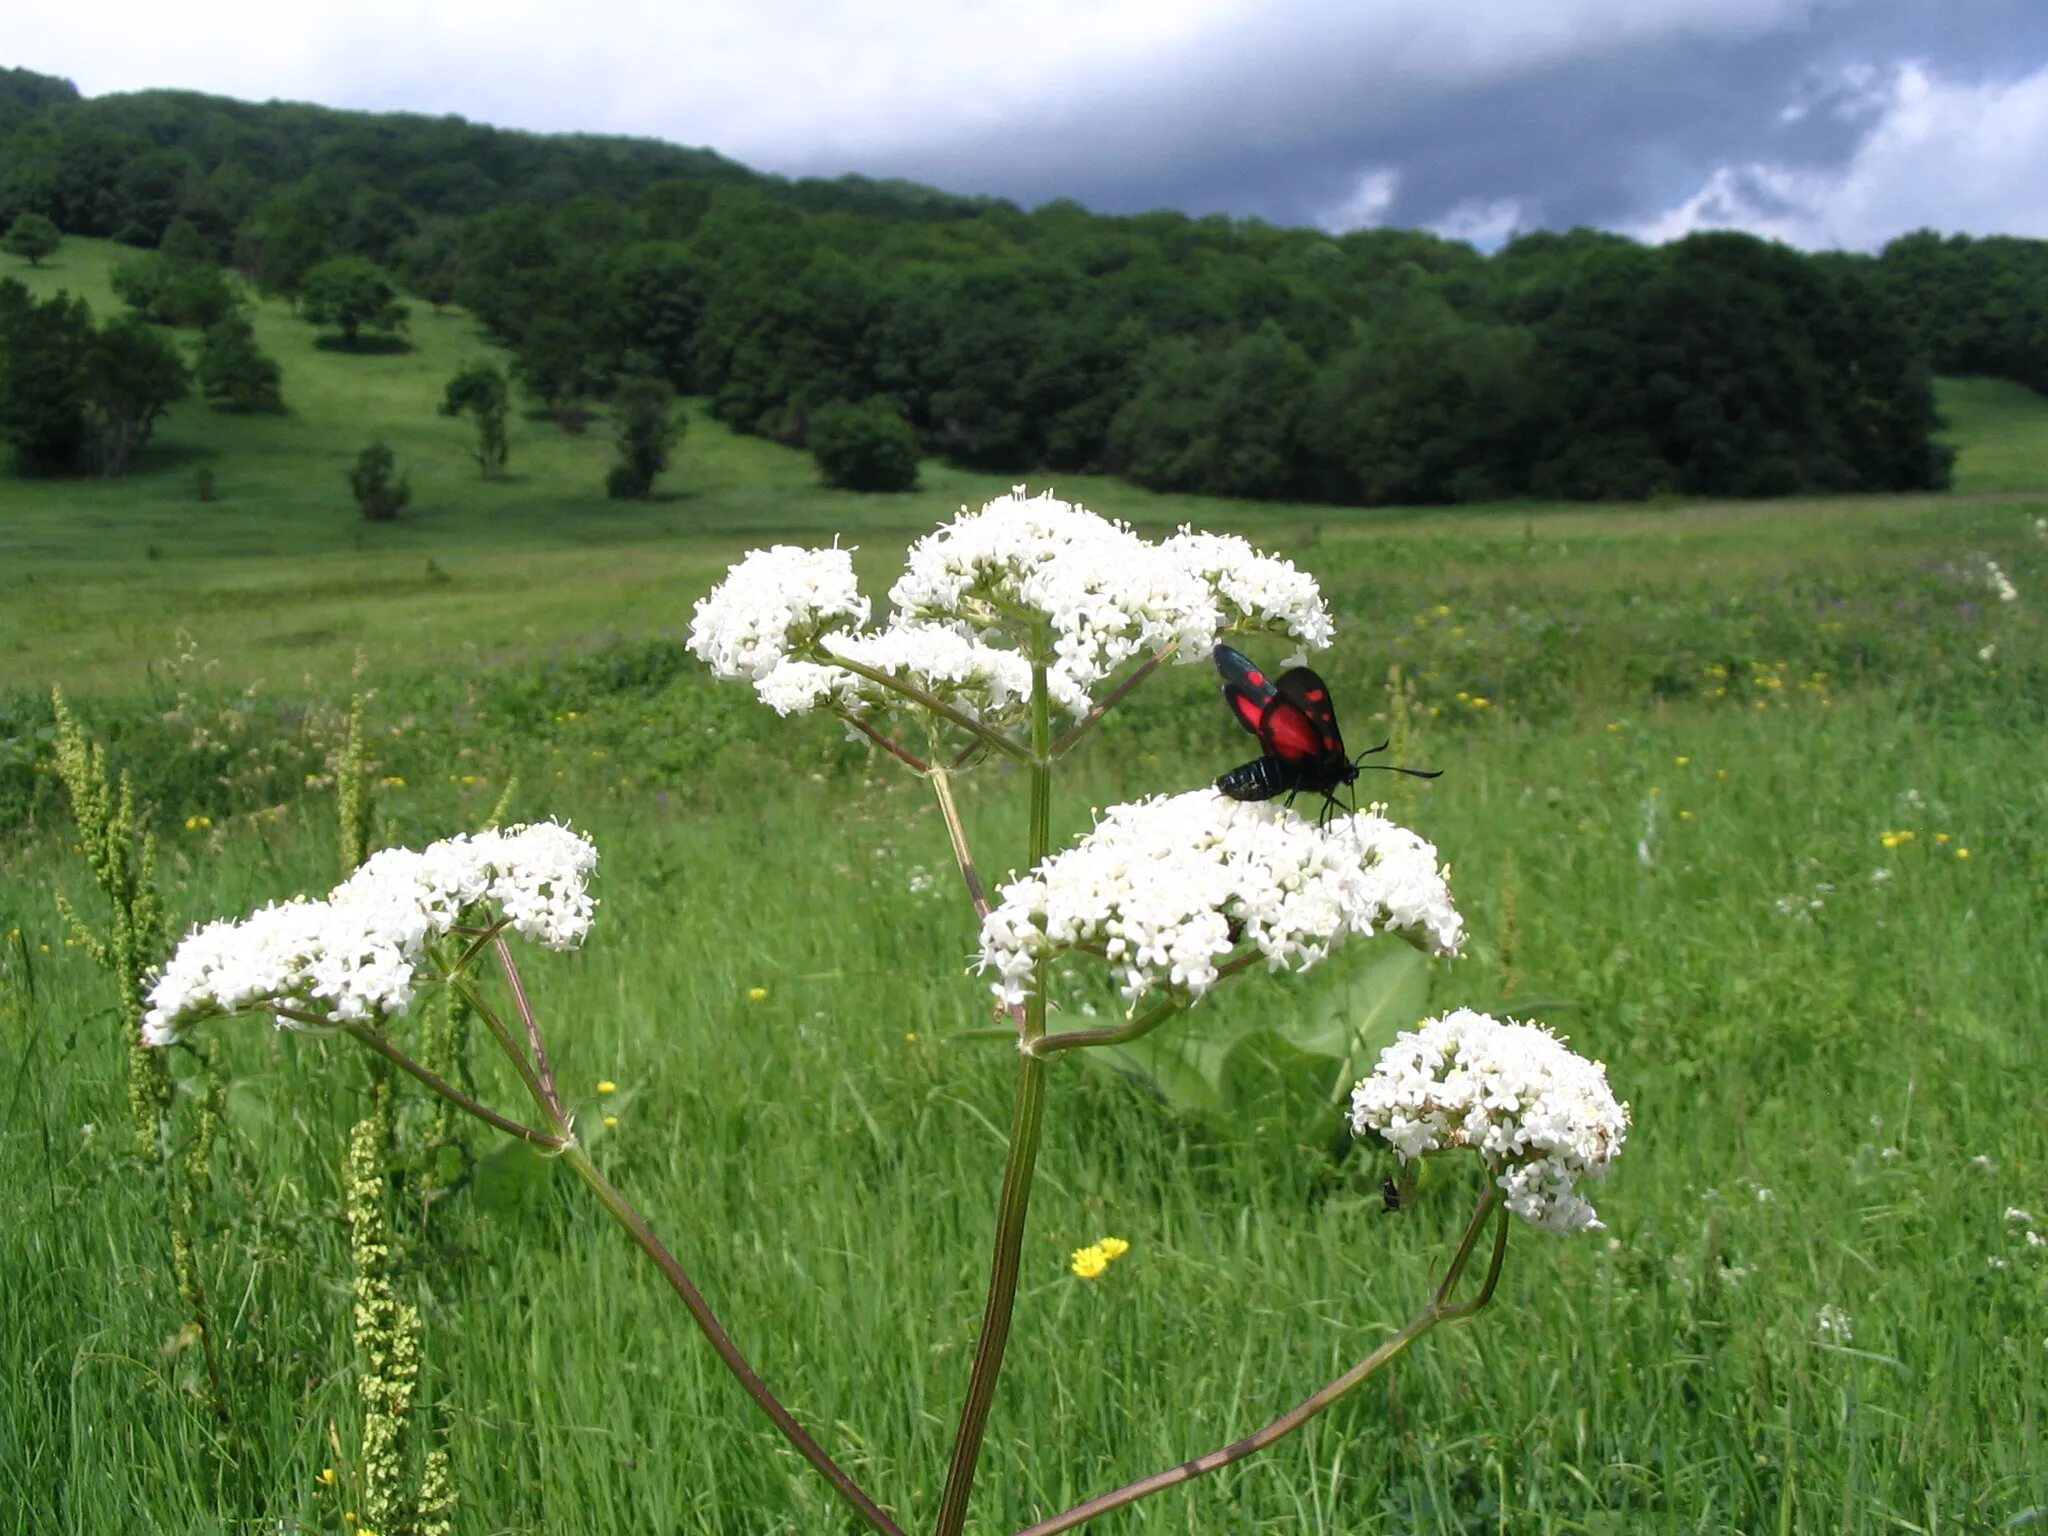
{"x": 1821, "y": 122}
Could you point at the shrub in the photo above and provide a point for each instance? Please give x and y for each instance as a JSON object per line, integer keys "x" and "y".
{"x": 864, "y": 447}
{"x": 380, "y": 492}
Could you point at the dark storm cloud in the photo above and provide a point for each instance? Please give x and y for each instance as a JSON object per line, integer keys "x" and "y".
{"x": 1609, "y": 137}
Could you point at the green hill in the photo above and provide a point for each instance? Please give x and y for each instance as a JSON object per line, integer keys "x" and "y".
{"x": 1999, "y": 431}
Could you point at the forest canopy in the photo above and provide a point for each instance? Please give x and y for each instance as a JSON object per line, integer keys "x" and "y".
{"x": 1216, "y": 355}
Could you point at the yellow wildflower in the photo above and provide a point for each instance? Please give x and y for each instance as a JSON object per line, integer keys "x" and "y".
{"x": 1090, "y": 1261}
{"x": 326, "y": 1477}
{"x": 1113, "y": 1247}
{"x": 392, "y": 781}
{"x": 757, "y": 994}
{"x": 1962, "y": 853}
{"x": 1682, "y": 762}
{"x": 1941, "y": 837}
{"x": 911, "y": 1038}
{"x": 611, "y": 1122}
{"x": 606, "y": 1085}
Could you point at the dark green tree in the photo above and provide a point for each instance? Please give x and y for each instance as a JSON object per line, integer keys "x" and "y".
{"x": 353, "y": 295}
{"x": 555, "y": 364}
{"x": 43, "y": 352}
{"x": 133, "y": 375}
{"x": 381, "y": 493}
{"x": 31, "y": 237}
{"x": 864, "y": 447}
{"x": 479, "y": 392}
{"x": 645, "y": 429}
{"x": 234, "y": 373}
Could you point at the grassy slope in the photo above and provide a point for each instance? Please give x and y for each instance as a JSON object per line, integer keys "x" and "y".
{"x": 1681, "y": 877}
{"x": 280, "y": 578}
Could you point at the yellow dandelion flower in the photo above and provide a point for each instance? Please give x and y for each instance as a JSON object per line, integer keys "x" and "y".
{"x": 911, "y": 1038}
{"x": 326, "y": 1477}
{"x": 611, "y": 1122}
{"x": 392, "y": 781}
{"x": 757, "y": 994}
{"x": 1962, "y": 853}
{"x": 1481, "y": 701}
{"x": 1890, "y": 839}
{"x": 1941, "y": 837}
{"x": 1685, "y": 816}
{"x": 1720, "y": 773}
{"x": 1682, "y": 762}
{"x": 1090, "y": 1261}
{"x": 606, "y": 1085}
{"x": 1113, "y": 1247}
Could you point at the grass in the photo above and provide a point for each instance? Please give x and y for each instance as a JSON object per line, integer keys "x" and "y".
{"x": 1667, "y": 821}
{"x": 2002, "y": 430}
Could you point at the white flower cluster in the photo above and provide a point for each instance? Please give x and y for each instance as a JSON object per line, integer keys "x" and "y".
{"x": 1108, "y": 594}
{"x": 1831, "y": 1325}
{"x": 775, "y": 602}
{"x": 1540, "y": 1115}
{"x": 355, "y": 956}
{"x": 1169, "y": 887}
{"x": 1996, "y": 581}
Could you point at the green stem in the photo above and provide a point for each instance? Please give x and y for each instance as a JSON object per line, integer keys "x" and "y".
{"x": 636, "y": 1226}
{"x": 1013, "y": 1205}
{"x": 934, "y": 703}
{"x": 1117, "y": 1034}
{"x": 1116, "y": 695}
{"x": 942, "y": 786}
{"x": 448, "y": 1090}
{"x": 1434, "y": 1312}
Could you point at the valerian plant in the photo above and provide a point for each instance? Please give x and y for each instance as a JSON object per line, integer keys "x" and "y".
{"x": 1011, "y": 633}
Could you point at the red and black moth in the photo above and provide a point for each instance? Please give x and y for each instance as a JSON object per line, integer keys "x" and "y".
{"x": 1297, "y": 725}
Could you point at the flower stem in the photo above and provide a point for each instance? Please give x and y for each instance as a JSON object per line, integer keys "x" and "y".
{"x": 448, "y": 1090}
{"x": 636, "y": 1226}
{"x": 1433, "y": 1312}
{"x": 1115, "y": 696}
{"x": 545, "y": 1067}
{"x": 935, "y": 704}
{"x": 895, "y": 749}
{"x": 942, "y": 786}
{"x": 1027, "y": 1115}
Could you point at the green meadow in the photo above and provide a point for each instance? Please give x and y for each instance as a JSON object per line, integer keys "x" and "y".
{"x": 1745, "y": 798}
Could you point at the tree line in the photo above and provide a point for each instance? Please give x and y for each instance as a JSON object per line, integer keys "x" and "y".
{"x": 876, "y": 321}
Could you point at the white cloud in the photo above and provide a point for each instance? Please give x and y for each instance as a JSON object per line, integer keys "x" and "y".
{"x": 1366, "y": 205}
{"x": 1485, "y": 222}
{"x": 1940, "y": 153}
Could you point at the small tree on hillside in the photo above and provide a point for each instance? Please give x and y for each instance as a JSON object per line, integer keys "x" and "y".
{"x": 352, "y": 295}
{"x": 133, "y": 375}
{"x": 480, "y": 393}
{"x": 381, "y": 492}
{"x": 234, "y": 373}
{"x": 43, "y": 350}
{"x": 865, "y": 447}
{"x": 31, "y": 237}
{"x": 645, "y": 428}
{"x": 558, "y": 366}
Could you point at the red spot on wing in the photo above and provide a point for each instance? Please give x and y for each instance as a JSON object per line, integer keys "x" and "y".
{"x": 1255, "y": 678}
{"x": 1316, "y": 695}
{"x": 1288, "y": 733}
{"x": 1250, "y": 711}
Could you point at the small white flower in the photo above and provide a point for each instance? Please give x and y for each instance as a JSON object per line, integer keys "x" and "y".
{"x": 1764, "y": 1196}
{"x": 1984, "y": 1162}
{"x": 1831, "y": 1323}
{"x": 2035, "y": 1239}
{"x": 1993, "y": 1261}
{"x": 354, "y": 957}
{"x": 1541, "y": 1116}
{"x": 1889, "y": 1153}
{"x": 775, "y": 602}
{"x": 1170, "y": 887}
{"x": 1879, "y": 876}
{"x": 2018, "y": 1217}
{"x": 1987, "y": 653}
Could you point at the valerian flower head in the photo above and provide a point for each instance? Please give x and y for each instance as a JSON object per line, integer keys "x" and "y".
{"x": 355, "y": 956}
{"x": 1170, "y": 888}
{"x": 971, "y": 591}
{"x": 774, "y": 603}
{"x": 1541, "y": 1116}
